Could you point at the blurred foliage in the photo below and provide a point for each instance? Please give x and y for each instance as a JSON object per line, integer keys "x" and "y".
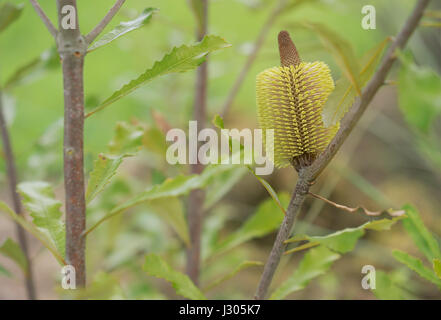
{"x": 125, "y": 150}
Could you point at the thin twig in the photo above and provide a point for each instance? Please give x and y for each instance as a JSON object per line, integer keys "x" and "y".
{"x": 72, "y": 49}
{"x": 12, "y": 179}
{"x": 47, "y": 22}
{"x": 308, "y": 175}
{"x": 103, "y": 23}
{"x": 196, "y": 197}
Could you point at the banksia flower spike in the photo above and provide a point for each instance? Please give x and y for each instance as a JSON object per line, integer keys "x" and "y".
{"x": 290, "y": 99}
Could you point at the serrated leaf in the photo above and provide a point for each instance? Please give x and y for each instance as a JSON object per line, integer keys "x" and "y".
{"x": 104, "y": 169}
{"x": 242, "y": 266}
{"x": 29, "y": 227}
{"x": 344, "y": 94}
{"x": 344, "y": 241}
{"x": 9, "y": 12}
{"x": 157, "y": 267}
{"x": 437, "y": 267}
{"x": 341, "y": 50}
{"x": 315, "y": 263}
{"x": 39, "y": 200}
{"x": 124, "y": 28}
{"x": 34, "y": 69}
{"x": 416, "y": 265}
{"x": 172, "y": 187}
{"x": 172, "y": 211}
{"x": 421, "y": 236}
{"x": 180, "y": 59}
{"x": 12, "y": 250}
{"x": 267, "y": 219}
{"x": 5, "y": 272}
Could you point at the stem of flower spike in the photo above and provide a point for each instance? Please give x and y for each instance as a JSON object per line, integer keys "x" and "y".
{"x": 309, "y": 174}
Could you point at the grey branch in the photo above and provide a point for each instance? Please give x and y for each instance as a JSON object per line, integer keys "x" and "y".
{"x": 106, "y": 20}
{"x": 47, "y": 22}
{"x": 309, "y": 174}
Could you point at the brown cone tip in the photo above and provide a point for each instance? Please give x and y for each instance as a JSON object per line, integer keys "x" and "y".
{"x": 287, "y": 49}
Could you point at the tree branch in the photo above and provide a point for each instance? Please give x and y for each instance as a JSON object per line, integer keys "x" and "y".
{"x": 72, "y": 49}
{"x": 309, "y": 174}
{"x": 106, "y": 20}
{"x": 47, "y": 22}
{"x": 11, "y": 172}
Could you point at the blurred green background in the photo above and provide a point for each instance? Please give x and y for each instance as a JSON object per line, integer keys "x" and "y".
{"x": 381, "y": 165}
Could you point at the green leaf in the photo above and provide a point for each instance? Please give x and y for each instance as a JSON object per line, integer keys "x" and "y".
{"x": 179, "y": 60}
{"x": 385, "y": 287}
{"x": 344, "y": 94}
{"x": 437, "y": 267}
{"x": 242, "y": 266}
{"x": 39, "y": 200}
{"x": 9, "y": 12}
{"x": 34, "y": 69}
{"x": 171, "y": 210}
{"x": 12, "y": 250}
{"x": 315, "y": 263}
{"x": 5, "y": 272}
{"x": 29, "y": 227}
{"x": 267, "y": 218}
{"x": 421, "y": 236}
{"x": 104, "y": 169}
{"x": 218, "y": 122}
{"x": 343, "y": 241}
{"x": 341, "y": 50}
{"x": 123, "y": 28}
{"x": 154, "y": 141}
{"x": 419, "y": 94}
{"x": 416, "y": 265}
{"x": 172, "y": 187}
{"x": 155, "y": 266}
